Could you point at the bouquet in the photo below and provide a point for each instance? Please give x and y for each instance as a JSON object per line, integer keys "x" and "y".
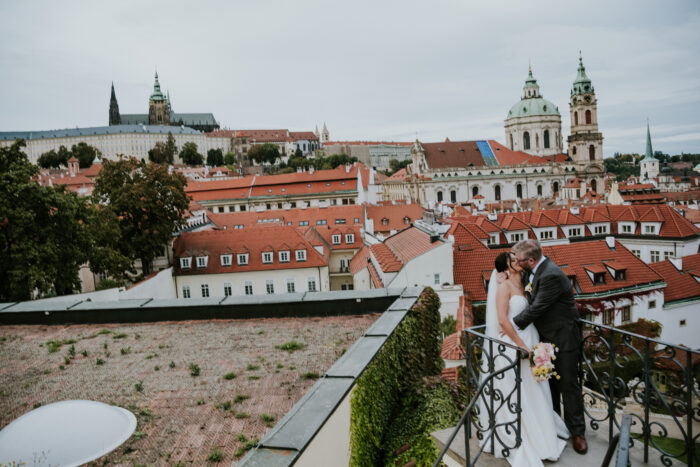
{"x": 541, "y": 357}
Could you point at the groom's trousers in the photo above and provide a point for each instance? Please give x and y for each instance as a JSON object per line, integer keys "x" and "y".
{"x": 568, "y": 388}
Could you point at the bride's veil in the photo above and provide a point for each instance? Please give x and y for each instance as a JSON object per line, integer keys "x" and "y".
{"x": 491, "y": 331}
{"x": 491, "y": 312}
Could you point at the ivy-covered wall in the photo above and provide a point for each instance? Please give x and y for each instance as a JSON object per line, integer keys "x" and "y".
{"x": 396, "y": 401}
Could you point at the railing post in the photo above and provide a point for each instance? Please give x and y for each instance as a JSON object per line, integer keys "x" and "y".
{"x": 646, "y": 430}
{"x": 518, "y": 379}
{"x": 690, "y": 411}
{"x": 611, "y": 386}
{"x": 492, "y": 413}
{"x": 467, "y": 423}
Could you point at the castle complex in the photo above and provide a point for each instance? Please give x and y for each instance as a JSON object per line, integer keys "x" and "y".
{"x": 160, "y": 112}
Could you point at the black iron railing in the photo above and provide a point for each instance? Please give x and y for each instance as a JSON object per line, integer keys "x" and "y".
{"x": 493, "y": 413}
{"x": 651, "y": 380}
{"x": 622, "y": 373}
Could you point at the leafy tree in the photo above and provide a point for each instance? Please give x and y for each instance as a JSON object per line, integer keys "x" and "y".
{"x": 171, "y": 147}
{"x": 43, "y": 232}
{"x": 215, "y": 157}
{"x": 85, "y": 154}
{"x": 160, "y": 154}
{"x": 622, "y": 167}
{"x": 53, "y": 159}
{"x": 148, "y": 202}
{"x": 298, "y": 153}
{"x": 395, "y": 165}
{"x": 264, "y": 153}
{"x": 230, "y": 158}
{"x": 190, "y": 154}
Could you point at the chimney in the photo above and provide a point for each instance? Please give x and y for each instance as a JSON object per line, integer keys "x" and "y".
{"x": 492, "y": 216}
{"x": 311, "y": 170}
{"x": 539, "y": 205}
{"x": 610, "y": 240}
{"x": 677, "y": 262}
{"x": 575, "y": 210}
{"x": 568, "y": 203}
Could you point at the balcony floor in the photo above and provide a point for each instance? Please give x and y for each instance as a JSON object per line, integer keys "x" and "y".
{"x": 597, "y": 446}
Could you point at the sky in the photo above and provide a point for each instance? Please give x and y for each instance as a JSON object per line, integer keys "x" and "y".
{"x": 371, "y": 70}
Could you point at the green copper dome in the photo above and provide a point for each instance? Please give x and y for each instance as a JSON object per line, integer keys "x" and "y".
{"x": 532, "y": 103}
{"x": 582, "y": 85}
{"x": 157, "y": 95}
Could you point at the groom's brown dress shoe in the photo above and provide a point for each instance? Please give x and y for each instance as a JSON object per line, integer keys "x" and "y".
{"x": 580, "y": 444}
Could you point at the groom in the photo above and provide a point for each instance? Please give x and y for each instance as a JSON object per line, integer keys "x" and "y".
{"x": 553, "y": 311}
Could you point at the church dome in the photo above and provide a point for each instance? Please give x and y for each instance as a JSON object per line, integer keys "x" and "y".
{"x": 532, "y": 106}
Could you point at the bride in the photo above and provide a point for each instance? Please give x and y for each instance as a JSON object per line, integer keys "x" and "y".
{"x": 542, "y": 429}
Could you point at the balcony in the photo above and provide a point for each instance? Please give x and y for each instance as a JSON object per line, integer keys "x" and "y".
{"x": 641, "y": 401}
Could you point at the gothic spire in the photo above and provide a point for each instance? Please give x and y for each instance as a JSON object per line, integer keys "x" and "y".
{"x": 114, "y": 117}
{"x": 649, "y": 153}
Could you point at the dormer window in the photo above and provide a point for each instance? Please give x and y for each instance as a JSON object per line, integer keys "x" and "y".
{"x": 243, "y": 259}
{"x": 335, "y": 239}
{"x": 202, "y": 261}
{"x": 599, "y": 278}
{"x": 620, "y": 275}
{"x": 626, "y": 228}
{"x": 406, "y": 220}
{"x": 385, "y": 221}
{"x": 600, "y": 229}
{"x": 226, "y": 260}
{"x": 185, "y": 263}
{"x": 650, "y": 229}
{"x": 301, "y": 255}
{"x": 284, "y": 256}
{"x": 267, "y": 257}
{"x": 349, "y": 238}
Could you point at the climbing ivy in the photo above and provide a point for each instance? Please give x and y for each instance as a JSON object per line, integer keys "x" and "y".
{"x": 396, "y": 374}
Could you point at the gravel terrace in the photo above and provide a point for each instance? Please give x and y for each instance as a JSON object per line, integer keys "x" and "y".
{"x": 245, "y": 384}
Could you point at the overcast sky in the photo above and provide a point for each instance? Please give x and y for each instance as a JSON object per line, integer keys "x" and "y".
{"x": 372, "y": 70}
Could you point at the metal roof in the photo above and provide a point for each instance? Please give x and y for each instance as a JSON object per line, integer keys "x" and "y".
{"x": 96, "y": 131}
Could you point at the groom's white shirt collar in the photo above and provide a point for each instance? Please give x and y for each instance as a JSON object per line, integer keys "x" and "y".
{"x": 534, "y": 270}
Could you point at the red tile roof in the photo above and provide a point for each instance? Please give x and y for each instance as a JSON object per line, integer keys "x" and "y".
{"x": 450, "y": 374}
{"x": 452, "y": 348}
{"x": 303, "y": 135}
{"x": 360, "y": 260}
{"x": 386, "y": 258}
{"x": 680, "y": 285}
{"x": 398, "y": 216}
{"x": 367, "y": 143}
{"x": 410, "y": 243}
{"x": 214, "y": 243}
{"x": 295, "y": 217}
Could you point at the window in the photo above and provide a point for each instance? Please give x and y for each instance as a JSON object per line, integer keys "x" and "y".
{"x": 649, "y": 229}
{"x": 575, "y": 232}
{"x": 291, "y": 287}
{"x": 626, "y": 314}
{"x": 185, "y": 263}
{"x": 227, "y": 289}
{"x": 546, "y": 235}
{"x": 311, "y": 284}
{"x": 436, "y": 279}
{"x": 667, "y": 254}
{"x": 591, "y": 152}
{"x": 186, "y": 291}
{"x": 652, "y": 304}
{"x": 267, "y": 257}
{"x": 453, "y": 196}
{"x": 321, "y": 222}
{"x": 284, "y": 256}
{"x": 385, "y": 221}
{"x": 475, "y": 191}
{"x": 620, "y": 275}
{"x": 493, "y": 239}
{"x": 526, "y": 140}
{"x": 340, "y": 221}
{"x": 588, "y": 117}
{"x": 681, "y": 323}
{"x": 335, "y": 239}
{"x": 575, "y": 119}
{"x": 600, "y": 229}
{"x": 626, "y": 228}
{"x": 205, "y": 290}
{"x": 270, "y": 286}
{"x": 202, "y": 261}
{"x": 303, "y": 223}
{"x": 347, "y": 287}
{"x": 349, "y": 238}
{"x": 497, "y": 192}
{"x": 607, "y": 317}
{"x": 516, "y": 237}
{"x": 654, "y": 256}
{"x": 539, "y": 190}
{"x": 439, "y": 196}
{"x": 226, "y": 260}
{"x": 599, "y": 278}
{"x": 243, "y": 259}
{"x": 637, "y": 253}
{"x": 406, "y": 220}
{"x": 519, "y": 190}
{"x": 301, "y": 255}
{"x": 546, "y": 139}
{"x": 357, "y": 220}
{"x": 248, "y": 287}
{"x": 555, "y": 185}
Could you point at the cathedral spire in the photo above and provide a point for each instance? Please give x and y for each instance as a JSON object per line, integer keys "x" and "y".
{"x": 114, "y": 117}
{"x": 649, "y": 153}
{"x": 157, "y": 95}
{"x": 582, "y": 84}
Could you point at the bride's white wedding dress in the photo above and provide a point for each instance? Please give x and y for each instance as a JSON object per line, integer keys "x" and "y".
{"x": 541, "y": 427}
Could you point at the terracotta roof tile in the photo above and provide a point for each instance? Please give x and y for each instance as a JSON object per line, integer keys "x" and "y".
{"x": 452, "y": 348}
{"x": 386, "y": 258}
{"x": 680, "y": 285}
{"x": 396, "y": 216}
{"x": 410, "y": 243}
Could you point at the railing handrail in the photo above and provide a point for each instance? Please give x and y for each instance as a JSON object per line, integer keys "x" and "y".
{"x": 631, "y": 334}
{"x": 471, "y": 330}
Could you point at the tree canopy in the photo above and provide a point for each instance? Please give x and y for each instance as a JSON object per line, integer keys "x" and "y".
{"x": 215, "y": 157}
{"x": 85, "y": 154}
{"x": 190, "y": 154}
{"x": 148, "y": 204}
{"x": 230, "y": 158}
{"x": 160, "y": 154}
{"x": 44, "y": 235}
{"x": 264, "y": 153}
{"x": 54, "y": 159}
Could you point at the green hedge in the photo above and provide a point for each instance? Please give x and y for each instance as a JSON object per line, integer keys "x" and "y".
{"x": 396, "y": 374}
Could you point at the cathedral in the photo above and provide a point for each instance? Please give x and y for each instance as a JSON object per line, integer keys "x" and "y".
{"x": 160, "y": 112}
{"x": 531, "y": 163}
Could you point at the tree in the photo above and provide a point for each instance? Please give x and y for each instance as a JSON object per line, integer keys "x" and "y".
{"x": 160, "y": 154}
{"x": 230, "y": 158}
{"x": 215, "y": 157}
{"x": 264, "y": 153}
{"x": 44, "y": 236}
{"x": 148, "y": 202}
{"x": 298, "y": 153}
{"x": 171, "y": 147}
{"x": 190, "y": 154}
{"x": 395, "y": 165}
{"x": 53, "y": 159}
{"x": 85, "y": 154}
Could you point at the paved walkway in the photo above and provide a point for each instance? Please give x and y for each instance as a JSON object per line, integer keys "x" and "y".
{"x": 597, "y": 446}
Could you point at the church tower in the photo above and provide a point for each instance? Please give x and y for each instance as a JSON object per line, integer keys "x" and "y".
{"x": 649, "y": 164}
{"x": 114, "y": 118}
{"x": 585, "y": 141}
{"x": 325, "y": 135}
{"x": 158, "y": 111}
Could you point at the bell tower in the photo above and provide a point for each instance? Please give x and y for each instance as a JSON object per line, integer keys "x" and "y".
{"x": 158, "y": 109}
{"x": 585, "y": 141}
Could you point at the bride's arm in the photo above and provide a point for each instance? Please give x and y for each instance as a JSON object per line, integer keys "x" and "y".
{"x": 502, "y": 304}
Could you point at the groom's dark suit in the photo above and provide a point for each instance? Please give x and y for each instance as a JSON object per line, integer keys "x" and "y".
{"x": 553, "y": 311}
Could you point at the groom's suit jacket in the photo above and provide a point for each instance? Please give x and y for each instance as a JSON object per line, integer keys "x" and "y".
{"x": 552, "y": 308}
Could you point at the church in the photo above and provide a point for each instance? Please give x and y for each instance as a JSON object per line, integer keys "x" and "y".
{"x": 531, "y": 163}
{"x": 160, "y": 112}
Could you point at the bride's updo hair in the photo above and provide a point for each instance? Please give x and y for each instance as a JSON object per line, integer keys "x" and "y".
{"x": 502, "y": 261}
